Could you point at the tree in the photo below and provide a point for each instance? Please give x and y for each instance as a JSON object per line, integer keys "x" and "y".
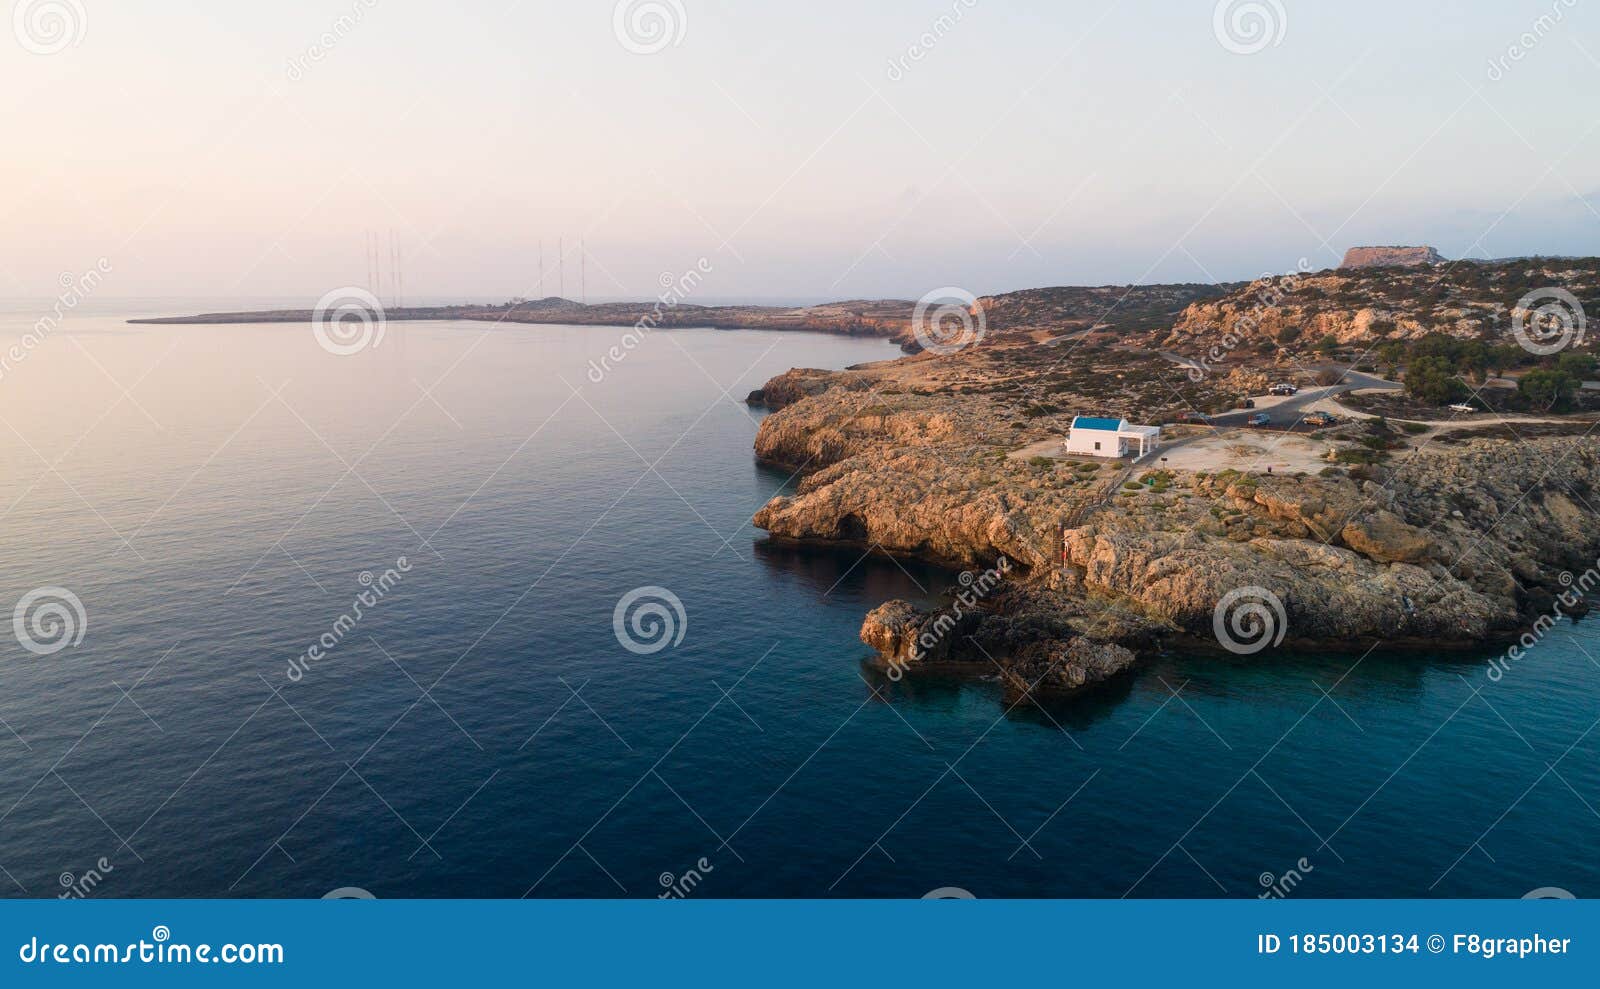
{"x": 1433, "y": 380}
{"x": 1504, "y": 356}
{"x": 1391, "y": 353}
{"x": 1575, "y": 365}
{"x": 1328, "y": 345}
{"x": 1553, "y": 390}
{"x": 1472, "y": 359}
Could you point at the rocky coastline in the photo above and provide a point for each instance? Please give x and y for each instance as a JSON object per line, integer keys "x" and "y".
{"x": 1456, "y": 545}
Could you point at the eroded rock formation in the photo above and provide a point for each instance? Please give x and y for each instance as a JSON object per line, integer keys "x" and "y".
{"x": 1389, "y": 257}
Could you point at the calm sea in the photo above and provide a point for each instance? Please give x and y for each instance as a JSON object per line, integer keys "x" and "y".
{"x": 203, "y": 505}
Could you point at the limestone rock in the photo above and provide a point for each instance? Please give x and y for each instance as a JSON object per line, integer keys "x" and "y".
{"x": 1383, "y": 537}
{"x": 1388, "y": 257}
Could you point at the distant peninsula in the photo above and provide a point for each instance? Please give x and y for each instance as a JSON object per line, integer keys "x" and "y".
{"x": 887, "y": 318}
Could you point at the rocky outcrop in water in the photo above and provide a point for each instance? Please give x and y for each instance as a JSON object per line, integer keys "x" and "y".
{"x": 790, "y": 387}
{"x": 1033, "y": 642}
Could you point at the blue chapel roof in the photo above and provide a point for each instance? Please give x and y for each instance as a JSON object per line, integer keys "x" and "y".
{"x": 1096, "y": 422}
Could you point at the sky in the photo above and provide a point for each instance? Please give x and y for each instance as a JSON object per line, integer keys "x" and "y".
{"x": 825, "y": 150}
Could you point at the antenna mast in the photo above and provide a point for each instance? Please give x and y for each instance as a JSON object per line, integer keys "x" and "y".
{"x": 394, "y": 270}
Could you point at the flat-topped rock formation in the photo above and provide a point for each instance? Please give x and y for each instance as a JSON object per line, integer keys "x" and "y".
{"x": 1390, "y": 257}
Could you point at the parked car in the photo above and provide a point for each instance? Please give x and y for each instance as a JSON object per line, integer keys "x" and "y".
{"x": 1283, "y": 389}
{"x": 1320, "y": 419}
{"x": 1248, "y": 403}
{"x": 1260, "y": 419}
{"x": 1195, "y": 417}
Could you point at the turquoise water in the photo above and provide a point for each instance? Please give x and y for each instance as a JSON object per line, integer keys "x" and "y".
{"x": 212, "y": 496}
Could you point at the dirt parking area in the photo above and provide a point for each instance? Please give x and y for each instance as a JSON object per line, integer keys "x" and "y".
{"x": 1248, "y": 450}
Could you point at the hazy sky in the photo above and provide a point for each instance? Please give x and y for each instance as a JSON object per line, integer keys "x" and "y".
{"x": 825, "y": 149}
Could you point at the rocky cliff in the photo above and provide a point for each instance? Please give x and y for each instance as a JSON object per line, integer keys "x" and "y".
{"x": 1469, "y": 299}
{"x": 1389, "y": 257}
{"x": 1443, "y": 545}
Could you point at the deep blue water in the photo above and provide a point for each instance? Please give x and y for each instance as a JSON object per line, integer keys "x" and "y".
{"x": 213, "y": 532}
